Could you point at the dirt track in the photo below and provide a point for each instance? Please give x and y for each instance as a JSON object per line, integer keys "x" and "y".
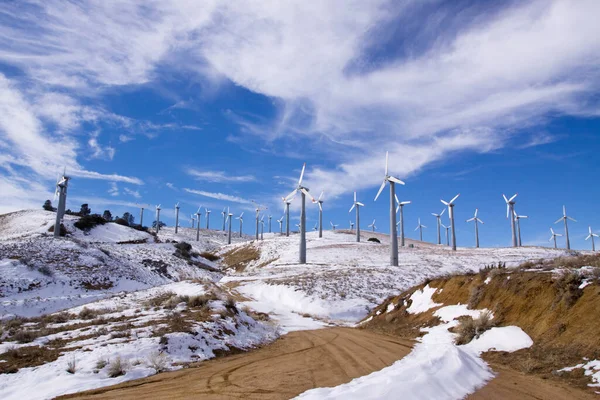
{"x": 297, "y": 362}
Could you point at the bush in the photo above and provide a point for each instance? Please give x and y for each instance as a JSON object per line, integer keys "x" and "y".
{"x": 469, "y": 328}
{"x": 101, "y": 363}
{"x": 121, "y": 221}
{"x": 63, "y": 230}
{"x": 117, "y": 368}
{"x": 183, "y": 250}
{"x": 373, "y": 240}
{"x": 24, "y": 336}
{"x": 87, "y": 313}
{"x": 475, "y": 296}
{"x": 72, "y": 366}
{"x": 45, "y": 270}
{"x": 159, "y": 361}
{"x": 567, "y": 288}
{"x": 230, "y": 305}
{"x": 209, "y": 256}
{"x": 87, "y": 222}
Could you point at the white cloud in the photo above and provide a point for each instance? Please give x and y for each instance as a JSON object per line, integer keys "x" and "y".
{"x": 219, "y": 176}
{"x": 125, "y": 138}
{"x": 114, "y": 189}
{"x": 219, "y": 196}
{"x": 134, "y": 193}
{"x": 171, "y": 186}
{"x": 98, "y": 151}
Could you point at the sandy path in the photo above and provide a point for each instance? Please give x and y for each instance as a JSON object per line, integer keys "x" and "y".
{"x": 293, "y": 364}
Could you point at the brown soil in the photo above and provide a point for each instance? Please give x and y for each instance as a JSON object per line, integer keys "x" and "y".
{"x": 295, "y": 363}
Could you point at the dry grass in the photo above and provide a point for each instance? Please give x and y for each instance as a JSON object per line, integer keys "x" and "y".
{"x": 209, "y": 256}
{"x": 29, "y": 356}
{"x": 240, "y": 257}
{"x": 159, "y": 361}
{"x": 117, "y": 367}
{"x": 469, "y": 328}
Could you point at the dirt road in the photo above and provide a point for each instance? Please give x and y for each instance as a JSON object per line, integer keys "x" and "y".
{"x": 293, "y": 364}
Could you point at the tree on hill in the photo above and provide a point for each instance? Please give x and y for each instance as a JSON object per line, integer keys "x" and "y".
{"x": 107, "y": 215}
{"x": 85, "y": 210}
{"x": 48, "y": 206}
{"x": 129, "y": 218}
{"x": 161, "y": 224}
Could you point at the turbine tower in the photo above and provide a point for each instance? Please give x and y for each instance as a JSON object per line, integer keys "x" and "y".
{"x": 447, "y": 236}
{"x": 564, "y": 218}
{"x": 176, "y": 217}
{"x": 305, "y": 192}
{"x": 333, "y": 226}
{"x": 193, "y": 221}
{"x": 439, "y": 223}
{"x": 207, "y": 211}
{"x": 229, "y": 215}
{"x": 351, "y": 225}
{"x": 393, "y": 233}
{"x": 258, "y": 210}
{"x": 518, "y": 219}
{"x": 554, "y": 235}
{"x": 477, "y": 221}
{"x": 157, "y": 218}
{"x": 450, "y": 205}
{"x": 142, "y": 216}
{"x": 372, "y": 226}
{"x": 61, "y": 192}
{"x": 270, "y": 216}
{"x": 357, "y": 204}
{"x": 241, "y": 218}
{"x": 287, "y": 215}
{"x": 510, "y": 211}
{"x": 198, "y": 214}
{"x": 320, "y": 203}
{"x": 224, "y": 213}
{"x": 280, "y": 220}
{"x": 400, "y": 208}
{"x": 592, "y": 236}
{"x": 262, "y": 227}
{"x": 420, "y": 227}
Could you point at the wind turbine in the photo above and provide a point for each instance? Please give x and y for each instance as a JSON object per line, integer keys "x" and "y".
{"x": 193, "y": 221}
{"x": 316, "y": 226}
{"x": 229, "y": 215}
{"x": 176, "y": 217}
{"x": 241, "y": 218}
{"x": 450, "y": 205}
{"x": 333, "y": 226}
{"x": 510, "y": 210}
{"x": 198, "y": 215}
{"x": 592, "y": 236}
{"x": 280, "y": 220}
{"x": 258, "y": 210}
{"x": 61, "y": 192}
{"x": 157, "y": 218}
{"x": 287, "y": 215}
{"x": 439, "y": 223}
{"x": 224, "y": 213}
{"x": 207, "y": 211}
{"x": 262, "y": 227}
{"x": 554, "y": 235}
{"x": 565, "y": 217}
{"x": 372, "y": 226}
{"x": 400, "y": 208}
{"x": 477, "y": 221}
{"x": 393, "y": 233}
{"x": 270, "y": 216}
{"x": 420, "y": 227}
{"x": 447, "y": 236}
{"x": 320, "y": 203}
{"x": 305, "y": 192}
{"x": 357, "y": 204}
{"x": 518, "y": 219}
{"x": 142, "y": 216}
{"x": 351, "y": 225}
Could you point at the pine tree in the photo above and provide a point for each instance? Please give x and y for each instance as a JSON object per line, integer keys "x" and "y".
{"x": 107, "y": 215}
{"x": 48, "y": 206}
{"x": 129, "y": 218}
{"x": 85, "y": 210}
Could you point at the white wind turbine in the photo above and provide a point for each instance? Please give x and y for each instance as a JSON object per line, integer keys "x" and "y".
{"x": 510, "y": 211}
{"x": 518, "y": 219}
{"x": 262, "y": 227}
{"x": 351, "y": 225}
{"x": 393, "y": 234}
{"x": 591, "y": 236}
{"x": 224, "y": 213}
{"x": 553, "y": 237}
{"x": 304, "y": 192}
{"x": 320, "y": 203}
{"x": 420, "y": 227}
{"x": 400, "y": 208}
{"x": 316, "y": 227}
{"x": 198, "y": 215}
{"x": 193, "y": 219}
{"x": 258, "y": 210}
{"x": 61, "y": 193}
{"x": 447, "y": 235}
{"x": 280, "y": 220}
{"x": 142, "y": 216}
{"x": 438, "y": 217}
{"x": 207, "y": 211}
{"x": 176, "y": 217}
{"x": 450, "y": 205}
{"x": 564, "y": 218}
{"x": 357, "y": 204}
{"x": 229, "y": 215}
{"x": 270, "y": 217}
{"x": 287, "y": 203}
{"x": 333, "y": 226}
{"x": 157, "y": 218}
{"x": 241, "y": 218}
{"x": 477, "y": 221}
{"x": 372, "y": 226}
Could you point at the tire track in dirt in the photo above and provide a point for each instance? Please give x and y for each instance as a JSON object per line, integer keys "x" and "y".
{"x": 291, "y": 365}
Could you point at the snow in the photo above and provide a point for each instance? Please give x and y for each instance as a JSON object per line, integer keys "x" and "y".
{"x": 436, "y": 368}
{"x": 591, "y": 368}
{"x": 488, "y": 280}
{"x": 421, "y": 300}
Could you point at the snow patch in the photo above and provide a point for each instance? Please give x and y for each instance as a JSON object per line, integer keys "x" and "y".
{"x": 421, "y": 300}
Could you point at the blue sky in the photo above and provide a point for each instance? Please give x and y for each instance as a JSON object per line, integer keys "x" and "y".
{"x": 219, "y": 103}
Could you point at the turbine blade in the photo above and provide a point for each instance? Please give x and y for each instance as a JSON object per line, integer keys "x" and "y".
{"x": 417, "y": 228}
{"x": 507, "y": 210}
{"x": 454, "y": 199}
{"x": 352, "y": 208}
{"x": 360, "y": 204}
{"x": 301, "y": 174}
{"x": 320, "y": 206}
{"x": 480, "y": 221}
{"x": 289, "y": 196}
{"x": 558, "y": 220}
{"x": 386, "y": 163}
{"x": 444, "y": 202}
{"x": 442, "y": 213}
{"x": 405, "y": 202}
{"x": 424, "y": 226}
{"x": 564, "y": 211}
{"x": 398, "y": 181}
{"x": 471, "y": 219}
{"x": 435, "y": 215}
{"x": 505, "y": 198}
{"x": 355, "y": 197}
{"x": 320, "y": 196}
{"x": 588, "y": 236}
{"x": 572, "y": 219}
{"x": 396, "y": 197}
{"x": 308, "y": 194}
{"x": 476, "y": 211}
{"x": 380, "y": 190}
{"x": 512, "y": 198}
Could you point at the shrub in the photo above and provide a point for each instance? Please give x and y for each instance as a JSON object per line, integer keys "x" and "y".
{"x": 159, "y": 361}
{"x": 72, "y": 366}
{"x": 45, "y": 270}
{"x": 121, "y": 221}
{"x": 567, "y": 288}
{"x": 101, "y": 363}
{"x": 230, "y": 305}
{"x": 87, "y": 222}
{"x": 373, "y": 239}
{"x": 63, "y": 230}
{"x": 25, "y": 336}
{"x": 475, "y": 296}
{"x": 159, "y": 299}
{"x": 197, "y": 301}
{"x": 87, "y": 313}
{"x": 209, "y": 256}
{"x": 183, "y": 250}
{"x": 117, "y": 368}
{"x": 469, "y": 328}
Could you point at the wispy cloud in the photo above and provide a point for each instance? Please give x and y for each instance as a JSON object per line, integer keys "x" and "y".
{"x": 98, "y": 151}
{"x": 219, "y": 196}
{"x": 130, "y": 192}
{"x": 219, "y": 176}
{"x": 114, "y": 189}
{"x": 125, "y": 138}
